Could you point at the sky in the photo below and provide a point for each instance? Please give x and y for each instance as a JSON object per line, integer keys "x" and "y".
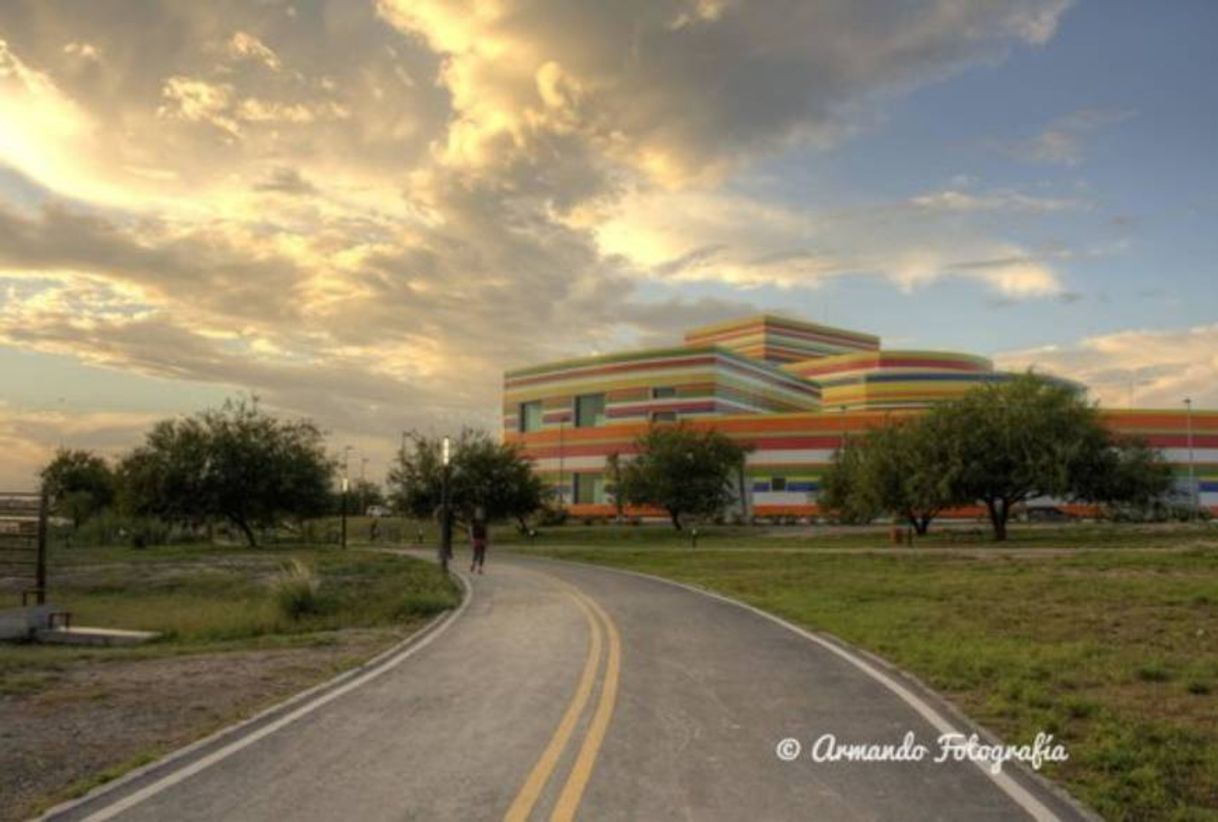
{"x": 363, "y": 211}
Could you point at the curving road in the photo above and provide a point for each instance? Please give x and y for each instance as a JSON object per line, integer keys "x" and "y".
{"x": 561, "y": 690}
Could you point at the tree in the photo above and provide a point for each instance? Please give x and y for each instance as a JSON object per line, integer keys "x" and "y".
{"x": 894, "y": 470}
{"x": 1128, "y": 473}
{"x": 366, "y": 494}
{"x": 237, "y": 463}
{"x": 684, "y": 470}
{"x": 80, "y": 483}
{"x": 613, "y": 487}
{"x": 483, "y": 473}
{"x": 844, "y": 492}
{"x": 1007, "y": 443}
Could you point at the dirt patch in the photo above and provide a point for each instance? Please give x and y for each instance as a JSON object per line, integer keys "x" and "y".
{"x": 95, "y": 716}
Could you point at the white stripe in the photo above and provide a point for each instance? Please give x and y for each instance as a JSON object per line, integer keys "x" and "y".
{"x": 198, "y": 765}
{"x": 1020, "y": 795}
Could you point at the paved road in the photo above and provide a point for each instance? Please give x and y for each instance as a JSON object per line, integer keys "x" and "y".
{"x": 563, "y": 690}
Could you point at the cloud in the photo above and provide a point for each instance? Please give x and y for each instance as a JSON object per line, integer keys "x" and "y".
{"x": 1062, "y": 142}
{"x": 366, "y": 212}
{"x": 245, "y": 46}
{"x": 1159, "y": 367}
{"x": 685, "y": 90}
{"x": 1001, "y": 200}
{"x": 695, "y": 236}
{"x": 30, "y": 437}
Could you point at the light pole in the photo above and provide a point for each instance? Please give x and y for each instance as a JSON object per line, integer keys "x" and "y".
{"x": 1192, "y": 478}
{"x": 562, "y": 479}
{"x": 446, "y": 522}
{"x": 363, "y": 468}
{"x": 342, "y": 539}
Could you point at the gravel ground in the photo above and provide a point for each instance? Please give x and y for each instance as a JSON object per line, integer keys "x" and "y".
{"x": 92, "y": 717}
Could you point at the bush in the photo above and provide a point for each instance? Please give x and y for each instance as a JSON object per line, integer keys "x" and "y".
{"x": 109, "y": 528}
{"x": 295, "y": 590}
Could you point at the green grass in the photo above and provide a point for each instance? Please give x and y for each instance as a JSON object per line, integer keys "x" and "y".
{"x": 203, "y": 598}
{"x": 1114, "y": 652}
{"x": 947, "y": 535}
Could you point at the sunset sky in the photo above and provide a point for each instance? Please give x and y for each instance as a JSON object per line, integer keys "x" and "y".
{"x": 364, "y": 211}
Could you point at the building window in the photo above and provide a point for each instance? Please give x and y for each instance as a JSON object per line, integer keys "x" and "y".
{"x": 589, "y": 410}
{"x": 530, "y": 416}
{"x": 663, "y": 416}
{"x": 589, "y": 489}
{"x": 663, "y": 393}
{"x": 778, "y": 483}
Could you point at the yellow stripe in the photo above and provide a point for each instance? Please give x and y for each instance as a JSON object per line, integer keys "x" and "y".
{"x": 581, "y": 772}
{"x": 531, "y": 790}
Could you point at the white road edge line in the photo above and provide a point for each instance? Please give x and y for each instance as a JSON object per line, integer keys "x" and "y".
{"x": 394, "y": 659}
{"x": 1020, "y": 795}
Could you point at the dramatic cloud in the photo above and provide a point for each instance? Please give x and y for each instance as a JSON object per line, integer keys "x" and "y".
{"x": 365, "y": 211}
{"x": 1155, "y": 369}
{"x": 695, "y": 236}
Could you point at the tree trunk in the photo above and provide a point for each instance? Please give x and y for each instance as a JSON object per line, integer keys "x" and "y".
{"x": 245, "y": 529}
{"x": 675, "y": 516}
{"x": 998, "y": 518}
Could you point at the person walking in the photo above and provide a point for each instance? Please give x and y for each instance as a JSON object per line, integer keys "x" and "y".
{"x": 478, "y": 535}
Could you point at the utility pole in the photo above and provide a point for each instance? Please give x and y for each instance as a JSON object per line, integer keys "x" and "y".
{"x": 1193, "y": 496}
{"x": 446, "y": 522}
{"x": 562, "y": 478}
{"x": 363, "y": 505}
{"x": 346, "y": 486}
{"x": 342, "y": 533}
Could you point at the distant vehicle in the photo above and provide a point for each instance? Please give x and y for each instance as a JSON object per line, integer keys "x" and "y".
{"x": 377, "y": 511}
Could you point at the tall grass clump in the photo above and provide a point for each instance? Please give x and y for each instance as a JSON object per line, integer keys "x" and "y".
{"x": 295, "y": 589}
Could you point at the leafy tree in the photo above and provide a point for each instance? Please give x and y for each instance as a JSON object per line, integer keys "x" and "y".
{"x": 365, "y": 494}
{"x": 844, "y": 492}
{"x": 80, "y": 482}
{"x": 1031, "y": 437}
{"x": 894, "y": 470}
{"x": 483, "y": 473}
{"x": 686, "y": 471}
{"x": 236, "y": 463}
{"x": 1128, "y": 473}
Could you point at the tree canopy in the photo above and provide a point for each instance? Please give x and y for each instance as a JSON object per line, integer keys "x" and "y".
{"x": 236, "y": 463}
{"x": 891, "y": 470}
{"x": 685, "y": 471}
{"x": 1031, "y": 437}
{"x": 80, "y": 482}
{"x": 483, "y": 473}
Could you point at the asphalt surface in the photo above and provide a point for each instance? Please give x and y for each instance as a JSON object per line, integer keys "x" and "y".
{"x": 564, "y": 691}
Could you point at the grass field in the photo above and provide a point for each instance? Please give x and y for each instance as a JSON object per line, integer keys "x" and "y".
{"x": 1113, "y": 651}
{"x": 237, "y": 633}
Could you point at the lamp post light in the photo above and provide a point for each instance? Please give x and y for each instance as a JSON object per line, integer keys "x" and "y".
{"x": 1193, "y": 497}
{"x": 446, "y": 522}
{"x": 562, "y": 477}
{"x": 342, "y": 539}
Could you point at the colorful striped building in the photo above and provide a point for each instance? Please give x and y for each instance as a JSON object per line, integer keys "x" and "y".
{"x": 790, "y": 390}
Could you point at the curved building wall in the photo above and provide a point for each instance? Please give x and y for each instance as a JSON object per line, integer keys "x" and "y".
{"x": 888, "y": 379}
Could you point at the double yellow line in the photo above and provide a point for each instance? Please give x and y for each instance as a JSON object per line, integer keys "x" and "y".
{"x": 577, "y": 780}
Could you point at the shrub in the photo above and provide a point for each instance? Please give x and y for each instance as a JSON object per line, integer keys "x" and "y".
{"x": 295, "y": 590}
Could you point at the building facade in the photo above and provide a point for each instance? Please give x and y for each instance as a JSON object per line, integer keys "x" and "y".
{"x": 792, "y": 391}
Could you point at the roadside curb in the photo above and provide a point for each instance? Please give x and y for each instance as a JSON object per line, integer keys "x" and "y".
{"x": 869, "y": 662}
{"x": 234, "y": 733}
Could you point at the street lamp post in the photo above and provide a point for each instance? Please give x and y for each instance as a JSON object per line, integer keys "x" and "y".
{"x": 446, "y": 522}
{"x": 342, "y": 539}
{"x": 1193, "y": 499}
{"x": 562, "y": 478}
